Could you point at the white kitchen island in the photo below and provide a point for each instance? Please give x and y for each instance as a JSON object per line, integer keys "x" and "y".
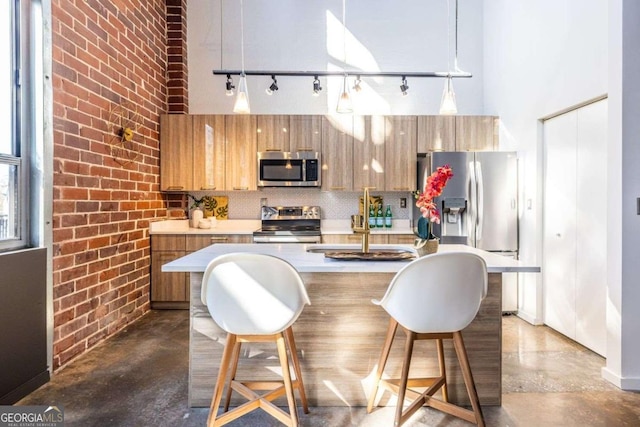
{"x": 340, "y": 335}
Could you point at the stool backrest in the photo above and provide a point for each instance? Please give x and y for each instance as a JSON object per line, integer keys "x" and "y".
{"x": 437, "y": 293}
{"x": 253, "y": 294}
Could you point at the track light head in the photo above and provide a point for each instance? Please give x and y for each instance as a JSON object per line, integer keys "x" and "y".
{"x": 316, "y": 86}
{"x": 273, "y": 87}
{"x": 229, "y": 85}
{"x": 356, "y": 84}
{"x": 404, "y": 87}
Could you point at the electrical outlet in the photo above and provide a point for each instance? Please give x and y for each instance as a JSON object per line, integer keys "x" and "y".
{"x": 403, "y": 202}
{"x": 638, "y": 206}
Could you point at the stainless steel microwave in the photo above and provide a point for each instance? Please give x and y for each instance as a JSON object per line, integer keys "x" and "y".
{"x": 289, "y": 169}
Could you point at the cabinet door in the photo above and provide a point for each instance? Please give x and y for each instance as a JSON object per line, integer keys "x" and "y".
{"x": 337, "y": 153}
{"x": 402, "y": 239}
{"x": 168, "y": 242}
{"x": 241, "y": 152}
{"x": 436, "y": 133}
{"x": 176, "y": 154}
{"x": 369, "y": 140}
{"x": 195, "y": 243}
{"x": 401, "y": 153}
{"x": 476, "y": 133}
{"x": 374, "y": 239}
{"x": 167, "y": 287}
{"x": 273, "y": 133}
{"x": 305, "y": 133}
{"x": 208, "y": 152}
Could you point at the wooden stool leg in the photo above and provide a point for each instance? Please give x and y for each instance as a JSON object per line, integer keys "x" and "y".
{"x": 296, "y": 367}
{"x": 232, "y": 376}
{"x": 404, "y": 378}
{"x": 384, "y": 356}
{"x": 461, "y": 352}
{"x": 222, "y": 373}
{"x": 443, "y": 371}
{"x": 286, "y": 376}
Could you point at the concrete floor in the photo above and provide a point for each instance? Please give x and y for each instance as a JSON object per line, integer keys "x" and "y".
{"x": 139, "y": 378}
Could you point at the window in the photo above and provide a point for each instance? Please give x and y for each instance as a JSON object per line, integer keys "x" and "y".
{"x": 12, "y": 185}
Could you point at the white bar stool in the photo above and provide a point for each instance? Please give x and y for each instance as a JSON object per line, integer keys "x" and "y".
{"x": 433, "y": 298}
{"x": 255, "y": 298}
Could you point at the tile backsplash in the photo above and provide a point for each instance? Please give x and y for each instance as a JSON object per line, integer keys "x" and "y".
{"x": 334, "y": 204}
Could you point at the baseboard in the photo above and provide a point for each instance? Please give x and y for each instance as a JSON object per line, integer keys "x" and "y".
{"x": 529, "y": 318}
{"x": 628, "y": 384}
{"x": 24, "y": 389}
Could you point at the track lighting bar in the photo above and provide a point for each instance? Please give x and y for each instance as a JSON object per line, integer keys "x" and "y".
{"x": 315, "y": 74}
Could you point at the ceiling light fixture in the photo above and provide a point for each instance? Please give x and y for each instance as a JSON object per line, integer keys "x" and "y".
{"x": 230, "y": 86}
{"x": 404, "y": 87}
{"x": 448, "y": 101}
{"x": 356, "y": 84}
{"x": 273, "y": 87}
{"x": 242, "y": 100}
{"x": 316, "y": 86}
{"x": 344, "y": 102}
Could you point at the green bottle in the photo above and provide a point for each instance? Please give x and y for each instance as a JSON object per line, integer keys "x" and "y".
{"x": 380, "y": 217}
{"x": 372, "y": 216}
{"x": 387, "y": 217}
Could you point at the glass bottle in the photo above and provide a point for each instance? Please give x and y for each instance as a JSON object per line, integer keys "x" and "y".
{"x": 380, "y": 217}
{"x": 372, "y": 216}
{"x": 387, "y": 217}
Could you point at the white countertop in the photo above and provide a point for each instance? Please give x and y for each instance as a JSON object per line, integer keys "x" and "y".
{"x": 227, "y": 226}
{"x": 305, "y": 262}
{"x": 248, "y": 226}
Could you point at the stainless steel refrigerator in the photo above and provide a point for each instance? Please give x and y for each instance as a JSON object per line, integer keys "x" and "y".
{"x": 479, "y": 205}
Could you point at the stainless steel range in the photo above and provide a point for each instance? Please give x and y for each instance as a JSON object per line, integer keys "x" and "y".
{"x": 289, "y": 224}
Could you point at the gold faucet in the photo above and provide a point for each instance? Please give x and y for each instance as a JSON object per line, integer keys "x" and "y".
{"x": 364, "y": 228}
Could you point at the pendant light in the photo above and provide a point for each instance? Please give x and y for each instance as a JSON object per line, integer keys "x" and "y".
{"x": 241, "y": 105}
{"x": 344, "y": 102}
{"x": 448, "y": 102}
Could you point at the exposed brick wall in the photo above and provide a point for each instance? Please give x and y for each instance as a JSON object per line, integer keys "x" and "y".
{"x": 105, "y": 54}
{"x": 177, "y": 56}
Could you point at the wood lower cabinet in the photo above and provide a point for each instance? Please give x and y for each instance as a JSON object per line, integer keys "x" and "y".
{"x": 374, "y": 239}
{"x": 168, "y": 290}
{"x": 401, "y": 239}
{"x": 171, "y": 290}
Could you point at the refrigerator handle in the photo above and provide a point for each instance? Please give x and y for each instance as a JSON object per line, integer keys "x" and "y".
{"x": 480, "y": 201}
{"x": 473, "y": 213}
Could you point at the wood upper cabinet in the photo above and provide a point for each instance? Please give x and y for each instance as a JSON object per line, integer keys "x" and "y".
{"x": 273, "y": 133}
{"x": 176, "y": 153}
{"x": 337, "y": 153}
{"x": 400, "y": 156}
{"x": 240, "y": 152}
{"x": 476, "y": 133}
{"x": 369, "y": 142}
{"x": 436, "y": 133}
{"x": 208, "y": 152}
{"x": 305, "y": 133}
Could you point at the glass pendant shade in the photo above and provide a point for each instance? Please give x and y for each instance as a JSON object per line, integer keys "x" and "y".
{"x": 448, "y": 103}
{"x": 344, "y": 102}
{"x": 242, "y": 99}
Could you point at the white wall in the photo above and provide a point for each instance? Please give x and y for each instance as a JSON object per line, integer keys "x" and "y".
{"x": 623, "y": 315}
{"x": 293, "y": 35}
{"x": 540, "y": 58}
